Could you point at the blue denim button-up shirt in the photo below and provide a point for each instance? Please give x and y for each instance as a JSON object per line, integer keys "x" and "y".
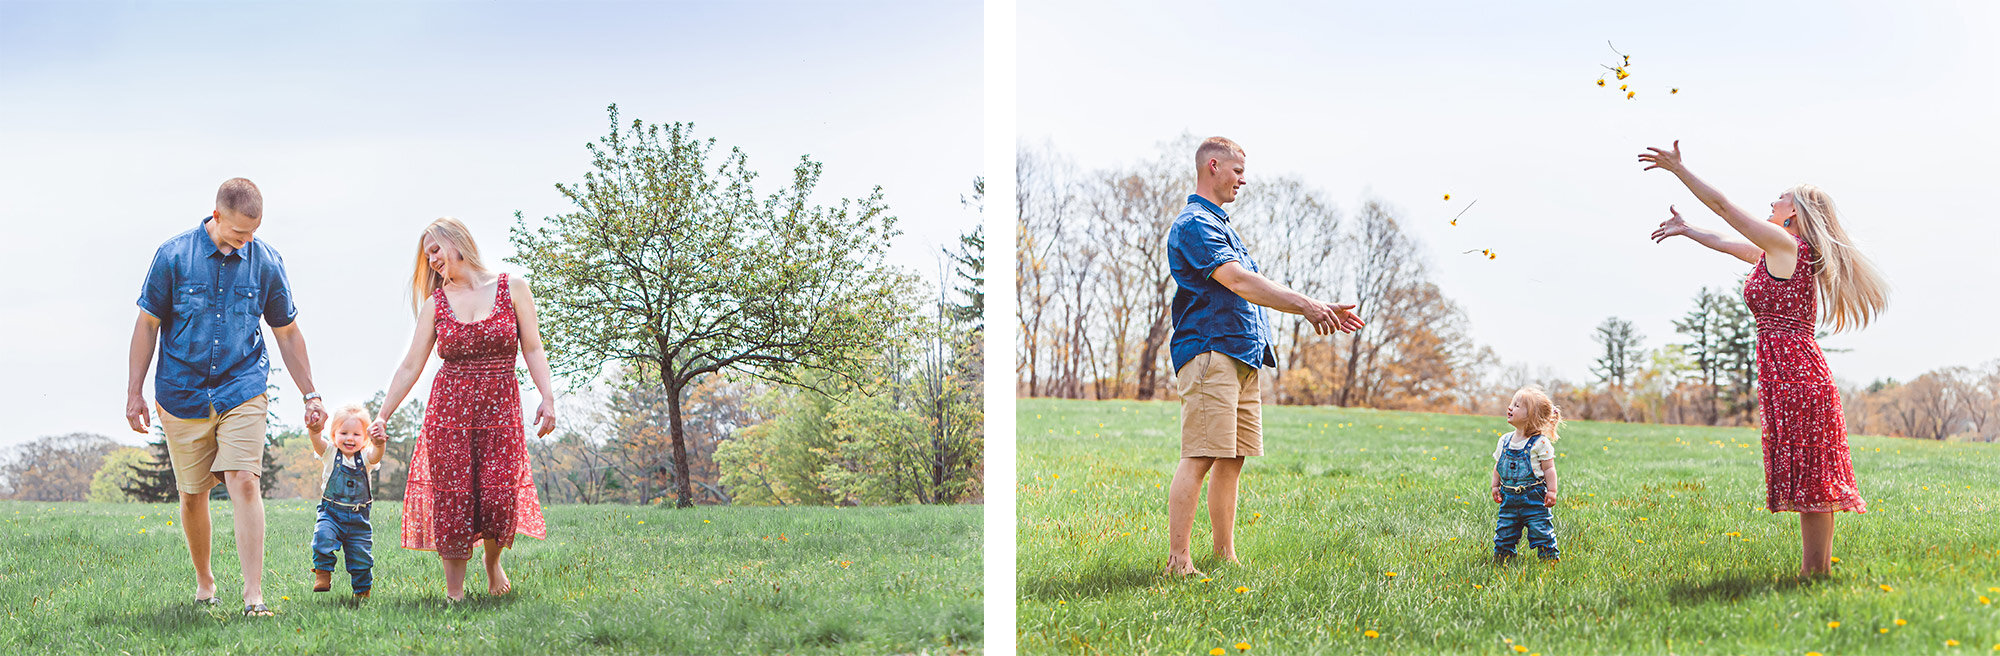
{"x": 1207, "y": 315}
{"x": 209, "y": 304}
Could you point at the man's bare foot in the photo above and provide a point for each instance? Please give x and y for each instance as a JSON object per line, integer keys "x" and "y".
{"x": 204, "y": 591}
{"x": 496, "y": 581}
{"x": 1178, "y": 565}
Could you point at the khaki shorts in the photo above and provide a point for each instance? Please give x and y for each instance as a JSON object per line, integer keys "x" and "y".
{"x": 233, "y": 441}
{"x": 1221, "y": 416}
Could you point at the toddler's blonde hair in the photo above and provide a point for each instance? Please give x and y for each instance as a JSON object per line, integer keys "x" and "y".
{"x": 1544, "y": 418}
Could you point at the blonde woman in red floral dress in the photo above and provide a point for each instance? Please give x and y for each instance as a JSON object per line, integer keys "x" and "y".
{"x": 1807, "y": 272}
{"x": 469, "y": 479}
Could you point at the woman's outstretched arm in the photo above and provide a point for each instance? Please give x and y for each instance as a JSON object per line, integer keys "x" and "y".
{"x": 1677, "y": 226}
{"x": 1763, "y": 236}
{"x": 421, "y": 342}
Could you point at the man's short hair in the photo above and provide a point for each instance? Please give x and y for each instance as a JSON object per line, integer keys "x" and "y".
{"x": 240, "y": 196}
{"x": 1217, "y": 148}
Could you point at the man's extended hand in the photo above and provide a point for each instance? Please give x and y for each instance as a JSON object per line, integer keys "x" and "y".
{"x": 136, "y": 413}
{"x": 315, "y": 415}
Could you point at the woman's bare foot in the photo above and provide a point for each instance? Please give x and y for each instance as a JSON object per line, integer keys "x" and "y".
{"x": 496, "y": 581}
{"x": 1181, "y": 566}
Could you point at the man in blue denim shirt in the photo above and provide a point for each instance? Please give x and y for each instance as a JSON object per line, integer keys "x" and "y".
{"x": 1221, "y": 338}
{"x": 204, "y": 296}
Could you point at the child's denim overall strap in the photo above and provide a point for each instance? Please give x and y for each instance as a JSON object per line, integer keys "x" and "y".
{"x": 1517, "y": 467}
{"x": 347, "y": 486}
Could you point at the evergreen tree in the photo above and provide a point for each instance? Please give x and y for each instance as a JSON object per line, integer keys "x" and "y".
{"x": 153, "y": 478}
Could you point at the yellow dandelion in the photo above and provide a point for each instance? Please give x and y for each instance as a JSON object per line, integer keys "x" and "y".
{"x": 1833, "y": 625}
{"x": 1993, "y": 589}
{"x": 1242, "y": 646}
{"x": 1951, "y": 643}
{"x": 1371, "y": 633}
{"x": 284, "y": 598}
{"x": 1901, "y": 621}
{"x": 1242, "y": 590}
{"x": 1814, "y": 653}
{"x": 1060, "y": 602}
{"x": 642, "y": 521}
{"x": 1983, "y": 600}
{"x": 1885, "y": 588}
{"x": 1520, "y": 649}
{"x": 1836, "y": 559}
{"x": 1206, "y": 580}
{"x": 1882, "y": 630}
{"x": 1393, "y": 575}
{"x": 1216, "y": 652}
{"x": 1476, "y": 586}
{"x": 704, "y": 521}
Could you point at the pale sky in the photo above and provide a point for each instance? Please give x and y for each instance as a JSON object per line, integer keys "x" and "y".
{"x": 1888, "y": 106}
{"x": 363, "y": 122}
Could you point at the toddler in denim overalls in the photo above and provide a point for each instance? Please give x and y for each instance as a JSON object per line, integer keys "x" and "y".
{"x": 344, "y": 500}
{"x": 1524, "y": 477}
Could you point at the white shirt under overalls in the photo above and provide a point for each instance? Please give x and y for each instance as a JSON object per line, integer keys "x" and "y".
{"x": 1543, "y": 451}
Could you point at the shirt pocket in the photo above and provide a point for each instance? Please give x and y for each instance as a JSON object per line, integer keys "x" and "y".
{"x": 244, "y": 300}
{"x": 189, "y": 300}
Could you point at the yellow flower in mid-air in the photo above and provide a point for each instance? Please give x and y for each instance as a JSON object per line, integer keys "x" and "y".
{"x": 1622, "y": 74}
{"x": 1622, "y": 87}
{"x": 1600, "y": 81}
{"x": 1447, "y": 196}
{"x": 1674, "y": 90}
{"x": 1630, "y": 94}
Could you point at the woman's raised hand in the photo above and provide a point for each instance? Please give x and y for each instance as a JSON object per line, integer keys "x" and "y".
{"x": 1673, "y": 227}
{"x": 1663, "y": 159}
{"x": 379, "y": 429}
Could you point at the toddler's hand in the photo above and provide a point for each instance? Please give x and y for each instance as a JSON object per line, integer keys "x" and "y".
{"x": 1549, "y": 498}
{"x": 1496, "y": 495}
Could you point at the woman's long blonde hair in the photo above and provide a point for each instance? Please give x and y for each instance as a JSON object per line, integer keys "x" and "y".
{"x": 425, "y": 281}
{"x": 1544, "y": 418}
{"x": 1851, "y": 291}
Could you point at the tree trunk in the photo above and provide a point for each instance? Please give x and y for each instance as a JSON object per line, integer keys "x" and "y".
{"x": 682, "y": 484}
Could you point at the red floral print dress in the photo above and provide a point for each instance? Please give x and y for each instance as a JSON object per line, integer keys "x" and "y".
{"x": 469, "y": 477}
{"x": 1806, "y": 464}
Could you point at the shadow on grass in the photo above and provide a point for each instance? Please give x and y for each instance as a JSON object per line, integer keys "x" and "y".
{"x": 168, "y": 618}
{"x": 1101, "y": 579}
{"x": 1737, "y": 587}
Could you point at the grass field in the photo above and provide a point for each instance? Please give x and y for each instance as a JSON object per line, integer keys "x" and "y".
{"x": 1368, "y": 531}
{"x": 112, "y": 578}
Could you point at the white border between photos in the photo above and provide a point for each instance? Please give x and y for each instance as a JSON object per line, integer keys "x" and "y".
{"x": 999, "y": 523}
